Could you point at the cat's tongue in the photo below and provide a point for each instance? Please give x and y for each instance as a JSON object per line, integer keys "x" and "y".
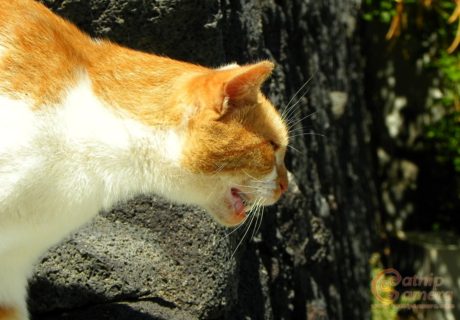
{"x": 237, "y": 202}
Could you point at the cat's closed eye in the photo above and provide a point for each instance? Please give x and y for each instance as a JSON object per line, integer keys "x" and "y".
{"x": 274, "y": 145}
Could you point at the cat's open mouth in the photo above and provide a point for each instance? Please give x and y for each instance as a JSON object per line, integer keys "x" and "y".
{"x": 239, "y": 202}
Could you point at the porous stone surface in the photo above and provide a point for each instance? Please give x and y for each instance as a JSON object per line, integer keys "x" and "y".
{"x": 149, "y": 259}
{"x": 146, "y": 250}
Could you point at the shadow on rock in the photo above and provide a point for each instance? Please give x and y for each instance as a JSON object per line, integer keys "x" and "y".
{"x": 147, "y": 309}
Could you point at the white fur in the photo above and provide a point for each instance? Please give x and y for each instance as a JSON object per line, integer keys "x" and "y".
{"x": 62, "y": 164}
{"x": 229, "y": 66}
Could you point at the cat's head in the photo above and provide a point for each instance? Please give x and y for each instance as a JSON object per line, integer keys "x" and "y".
{"x": 236, "y": 141}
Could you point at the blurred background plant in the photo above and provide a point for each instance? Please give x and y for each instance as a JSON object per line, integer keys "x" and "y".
{"x": 413, "y": 76}
{"x": 437, "y": 24}
{"x": 420, "y": 43}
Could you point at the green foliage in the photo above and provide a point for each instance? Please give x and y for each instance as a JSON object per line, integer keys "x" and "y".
{"x": 449, "y": 65}
{"x": 422, "y": 20}
{"x": 379, "y": 10}
{"x": 446, "y": 134}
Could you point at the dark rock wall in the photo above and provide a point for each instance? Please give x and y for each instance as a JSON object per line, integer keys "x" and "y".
{"x": 309, "y": 260}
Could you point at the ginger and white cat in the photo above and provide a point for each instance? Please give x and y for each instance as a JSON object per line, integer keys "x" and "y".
{"x": 86, "y": 123}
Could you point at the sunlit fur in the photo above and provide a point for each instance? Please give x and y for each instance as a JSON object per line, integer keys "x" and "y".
{"x": 85, "y": 124}
{"x": 9, "y": 313}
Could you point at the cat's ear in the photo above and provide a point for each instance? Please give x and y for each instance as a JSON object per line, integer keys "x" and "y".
{"x": 243, "y": 83}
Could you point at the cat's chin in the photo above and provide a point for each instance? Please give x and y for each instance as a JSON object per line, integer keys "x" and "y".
{"x": 231, "y": 210}
{"x": 227, "y": 217}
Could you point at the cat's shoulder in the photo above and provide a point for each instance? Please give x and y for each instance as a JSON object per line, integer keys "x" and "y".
{"x": 41, "y": 54}
{"x": 20, "y": 13}
{"x": 31, "y": 20}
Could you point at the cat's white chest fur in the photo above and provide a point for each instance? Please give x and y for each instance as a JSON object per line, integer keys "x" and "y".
{"x": 61, "y": 164}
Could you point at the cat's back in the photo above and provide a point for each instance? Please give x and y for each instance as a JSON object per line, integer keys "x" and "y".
{"x": 40, "y": 53}
{"x": 24, "y": 19}
{"x": 12, "y": 14}
{"x": 32, "y": 20}
{"x": 12, "y": 10}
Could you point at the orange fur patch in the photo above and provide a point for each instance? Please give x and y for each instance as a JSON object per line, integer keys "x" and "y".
{"x": 8, "y": 314}
{"x": 42, "y": 52}
{"x": 147, "y": 86}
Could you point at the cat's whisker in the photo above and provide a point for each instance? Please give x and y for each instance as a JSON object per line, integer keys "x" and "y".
{"x": 220, "y": 168}
{"x": 300, "y": 99}
{"x": 245, "y": 186}
{"x": 252, "y": 214}
{"x": 296, "y": 130}
{"x": 234, "y": 229}
{"x": 255, "y": 179}
{"x": 244, "y": 236}
{"x": 261, "y": 213}
{"x": 292, "y": 124}
{"x": 289, "y": 115}
{"x": 256, "y": 215}
{"x": 293, "y": 148}
{"x": 288, "y": 108}
{"x": 256, "y": 190}
{"x": 296, "y": 127}
{"x": 308, "y": 134}
{"x": 257, "y": 210}
{"x": 298, "y": 91}
{"x": 211, "y": 194}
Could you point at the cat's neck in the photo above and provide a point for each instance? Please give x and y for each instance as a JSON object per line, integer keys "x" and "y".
{"x": 146, "y": 93}
{"x": 120, "y": 153}
{"x": 147, "y": 86}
